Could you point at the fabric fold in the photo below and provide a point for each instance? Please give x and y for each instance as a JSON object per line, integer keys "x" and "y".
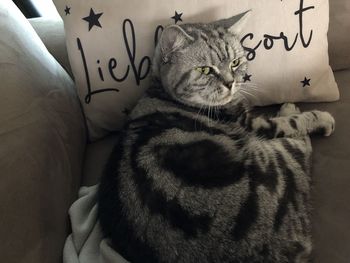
{"x": 86, "y": 244}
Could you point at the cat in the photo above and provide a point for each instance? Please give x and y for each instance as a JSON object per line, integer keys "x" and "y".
{"x": 195, "y": 177}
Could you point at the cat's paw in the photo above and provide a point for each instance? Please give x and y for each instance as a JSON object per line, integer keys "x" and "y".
{"x": 288, "y": 109}
{"x": 325, "y": 123}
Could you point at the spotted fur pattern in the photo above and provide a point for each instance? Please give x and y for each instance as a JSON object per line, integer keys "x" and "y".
{"x": 186, "y": 185}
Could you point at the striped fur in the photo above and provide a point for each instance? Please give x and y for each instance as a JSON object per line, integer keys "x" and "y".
{"x": 187, "y": 184}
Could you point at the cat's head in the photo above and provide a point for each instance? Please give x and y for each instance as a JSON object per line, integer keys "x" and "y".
{"x": 202, "y": 64}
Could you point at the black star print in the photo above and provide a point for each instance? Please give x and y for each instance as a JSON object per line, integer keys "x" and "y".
{"x": 247, "y": 77}
{"x": 93, "y": 19}
{"x": 177, "y": 17}
{"x": 306, "y": 82}
{"x": 67, "y": 10}
{"x": 126, "y": 111}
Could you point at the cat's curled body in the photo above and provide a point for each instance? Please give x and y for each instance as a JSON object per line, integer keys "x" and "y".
{"x": 185, "y": 185}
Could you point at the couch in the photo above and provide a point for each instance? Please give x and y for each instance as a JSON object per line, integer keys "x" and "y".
{"x": 35, "y": 195}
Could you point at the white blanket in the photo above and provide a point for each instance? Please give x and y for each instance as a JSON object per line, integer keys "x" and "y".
{"x": 86, "y": 243}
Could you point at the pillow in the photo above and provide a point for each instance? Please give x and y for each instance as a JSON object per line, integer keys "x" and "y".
{"x": 42, "y": 143}
{"x": 110, "y": 45}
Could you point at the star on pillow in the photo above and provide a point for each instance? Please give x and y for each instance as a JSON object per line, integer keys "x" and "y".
{"x": 93, "y": 19}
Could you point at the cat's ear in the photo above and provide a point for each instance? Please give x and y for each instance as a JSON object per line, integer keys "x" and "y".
{"x": 236, "y": 23}
{"x": 172, "y": 39}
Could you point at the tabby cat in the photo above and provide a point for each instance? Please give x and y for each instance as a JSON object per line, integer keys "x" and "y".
{"x": 196, "y": 178}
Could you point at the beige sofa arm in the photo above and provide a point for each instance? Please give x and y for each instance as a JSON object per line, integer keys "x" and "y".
{"x": 51, "y": 32}
{"x": 42, "y": 144}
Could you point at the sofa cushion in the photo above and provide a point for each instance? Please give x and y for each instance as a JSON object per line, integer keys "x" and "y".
{"x": 42, "y": 141}
{"x": 338, "y": 36}
{"x": 331, "y": 166}
{"x": 331, "y": 195}
{"x": 96, "y": 157}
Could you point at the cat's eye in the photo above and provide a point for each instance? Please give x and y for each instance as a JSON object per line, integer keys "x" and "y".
{"x": 235, "y": 63}
{"x": 204, "y": 70}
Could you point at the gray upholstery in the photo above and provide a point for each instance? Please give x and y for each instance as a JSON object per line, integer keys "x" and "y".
{"x": 331, "y": 176}
{"x": 338, "y": 35}
{"x": 95, "y": 158}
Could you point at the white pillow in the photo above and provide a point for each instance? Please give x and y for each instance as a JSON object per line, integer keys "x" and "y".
{"x": 110, "y": 44}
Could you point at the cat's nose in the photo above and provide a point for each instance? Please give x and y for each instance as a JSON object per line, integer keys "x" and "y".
{"x": 229, "y": 84}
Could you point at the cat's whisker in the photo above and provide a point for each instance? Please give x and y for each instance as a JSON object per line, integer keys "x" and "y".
{"x": 209, "y": 115}
{"x": 253, "y": 85}
{"x": 247, "y": 92}
{"x": 198, "y": 116}
{"x": 217, "y": 113}
{"x": 251, "y": 89}
{"x": 250, "y": 86}
{"x": 241, "y": 95}
{"x": 253, "y": 92}
{"x": 248, "y": 96}
{"x": 248, "y": 83}
{"x": 216, "y": 108}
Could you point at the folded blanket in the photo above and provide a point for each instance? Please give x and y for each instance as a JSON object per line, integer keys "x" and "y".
{"x": 86, "y": 243}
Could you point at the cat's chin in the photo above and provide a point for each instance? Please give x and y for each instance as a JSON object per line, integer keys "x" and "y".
{"x": 224, "y": 100}
{"x": 221, "y": 103}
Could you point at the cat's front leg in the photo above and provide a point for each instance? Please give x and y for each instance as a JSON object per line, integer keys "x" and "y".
{"x": 291, "y": 123}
